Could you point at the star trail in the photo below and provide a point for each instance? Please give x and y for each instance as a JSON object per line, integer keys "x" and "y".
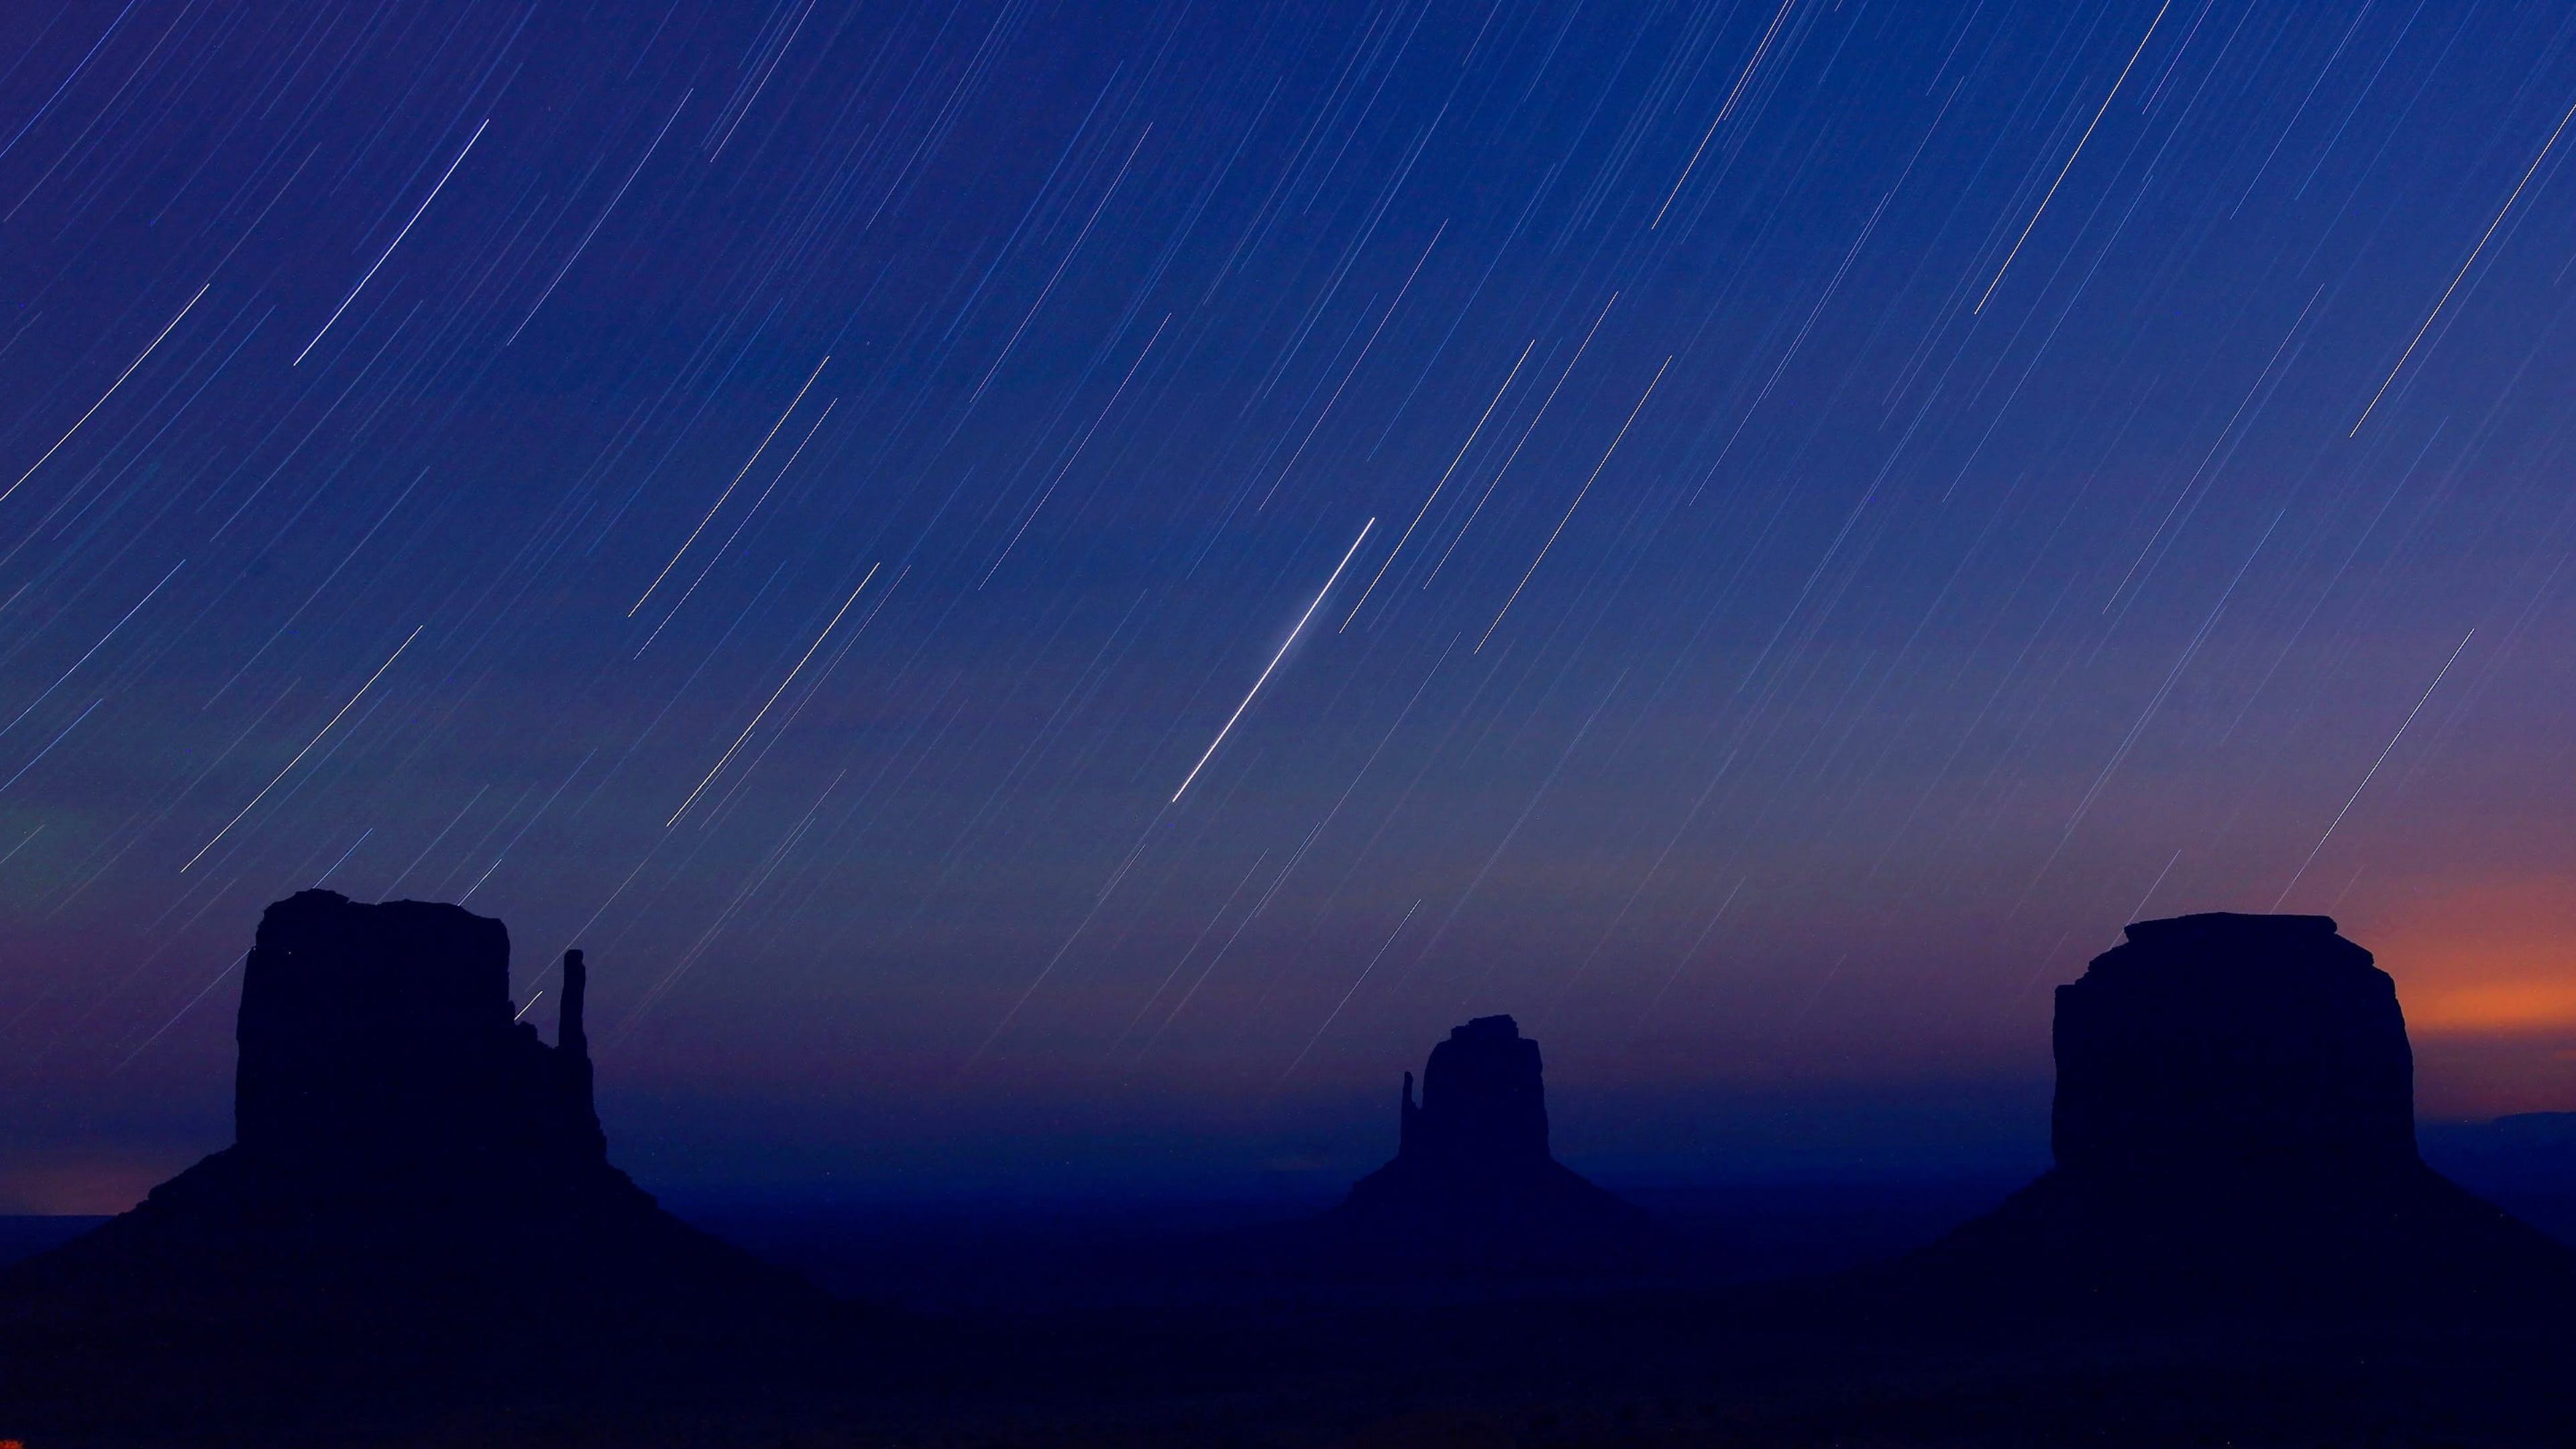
{"x": 833, "y": 509}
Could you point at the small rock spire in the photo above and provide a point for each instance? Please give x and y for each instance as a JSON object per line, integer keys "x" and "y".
{"x": 576, "y": 981}
{"x": 1404, "y": 1119}
{"x": 572, "y": 1063}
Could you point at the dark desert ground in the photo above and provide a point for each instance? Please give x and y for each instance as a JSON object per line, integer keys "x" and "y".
{"x": 1287, "y": 722}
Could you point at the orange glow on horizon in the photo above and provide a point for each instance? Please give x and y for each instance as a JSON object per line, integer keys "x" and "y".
{"x": 2497, "y": 1007}
{"x": 2486, "y": 973}
{"x": 2494, "y": 958}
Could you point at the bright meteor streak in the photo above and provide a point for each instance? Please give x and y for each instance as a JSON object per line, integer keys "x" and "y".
{"x": 1320, "y": 595}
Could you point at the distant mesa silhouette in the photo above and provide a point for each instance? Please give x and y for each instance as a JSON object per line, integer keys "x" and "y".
{"x": 408, "y": 1158}
{"x": 2538, "y": 1129}
{"x": 2234, "y": 1126}
{"x": 1473, "y": 1186}
{"x": 2534, "y": 1150}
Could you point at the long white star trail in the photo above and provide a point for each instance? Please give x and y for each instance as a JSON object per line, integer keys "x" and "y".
{"x": 1248, "y": 695}
{"x": 378, "y": 265}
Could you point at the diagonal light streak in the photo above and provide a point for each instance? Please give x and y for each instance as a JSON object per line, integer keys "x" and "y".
{"x": 1274, "y": 660}
{"x": 308, "y": 749}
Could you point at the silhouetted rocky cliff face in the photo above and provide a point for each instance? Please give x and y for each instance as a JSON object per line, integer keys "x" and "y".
{"x": 408, "y": 1159}
{"x": 1473, "y": 1184}
{"x": 2227, "y": 1045}
{"x": 1484, "y": 1109}
{"x": 378, "y": 1039}
{"x": 2235, "y": 1125}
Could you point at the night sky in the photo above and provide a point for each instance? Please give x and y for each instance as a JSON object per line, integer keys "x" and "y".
{"x": 1055, "y": 590}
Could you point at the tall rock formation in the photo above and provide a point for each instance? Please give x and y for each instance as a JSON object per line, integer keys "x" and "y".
{"x": 1484, "y": 1106}
{"x": 1473, "y": 1185}
{"x": 2234, "y": 1126}
{"x": 377, "y": 1041}
{"x": 409, "y": 1161}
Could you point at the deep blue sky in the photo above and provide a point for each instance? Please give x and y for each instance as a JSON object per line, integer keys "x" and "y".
{"x": 1852, "y": 503}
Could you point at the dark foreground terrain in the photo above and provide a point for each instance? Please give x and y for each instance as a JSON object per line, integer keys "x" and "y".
{"x": 1741, "y": 1367}
{"x": 1059, "y": 1324}
{"x": 1130, "y": 1341}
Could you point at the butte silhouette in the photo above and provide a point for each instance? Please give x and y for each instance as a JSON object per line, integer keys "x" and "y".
{"x": 2234, "y": 1130}
{"x": 1473, "y": 1187}
{"x": 410, "y": 1166}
